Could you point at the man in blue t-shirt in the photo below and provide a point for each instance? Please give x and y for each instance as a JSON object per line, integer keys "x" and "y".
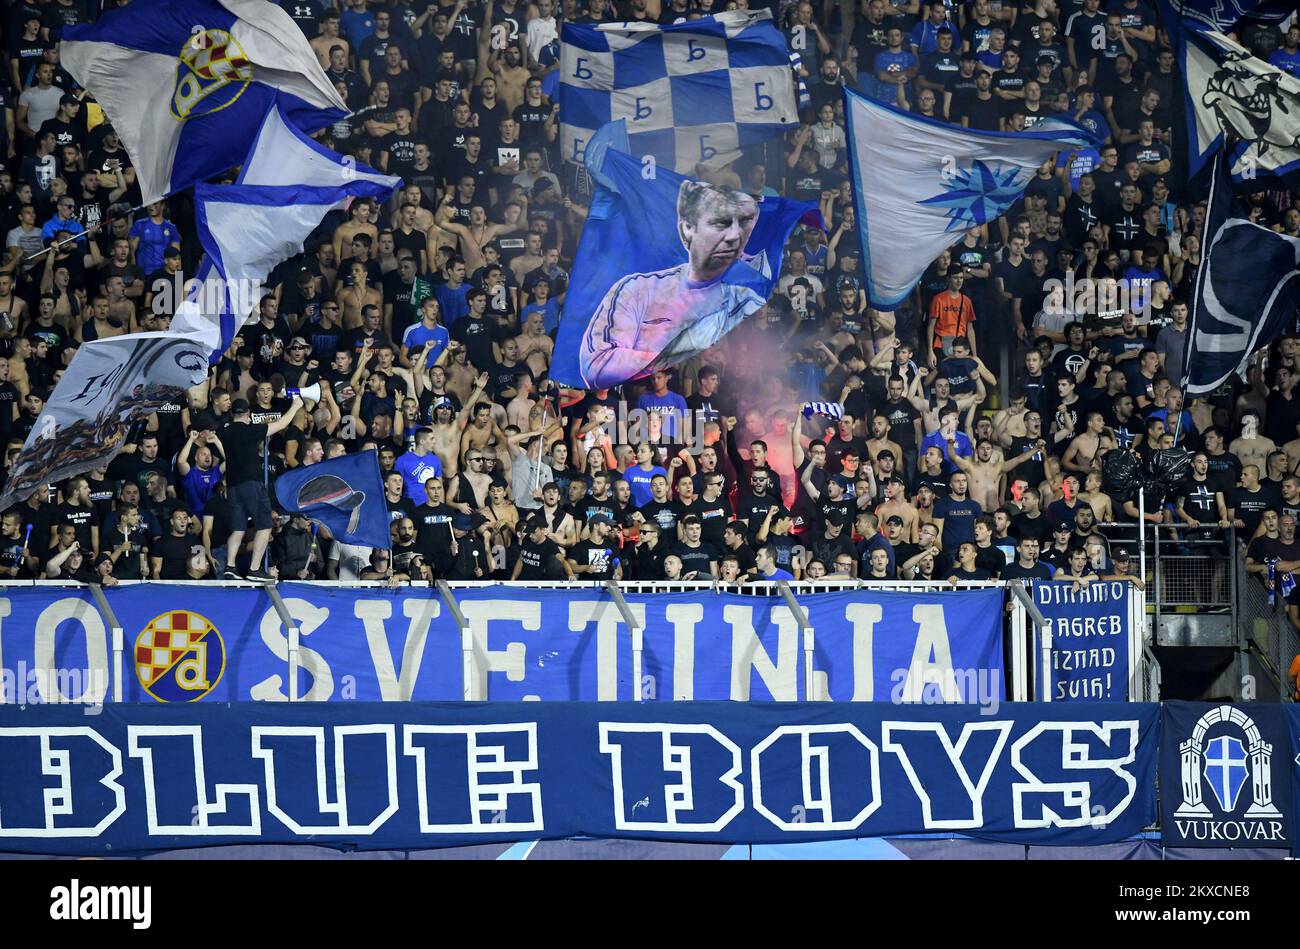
{"x": 894, "y": 68}
{"x": 663, "y": 402}
{"x": 765, "y": 560}
{"x": 1287, "y": 58}
{"x": 419, "y": 465}
{"x": 151, "y": 236}
{"x": 427, "y": 333}
{"x": 641, "y": 474}
{"x": 955, "y": 515}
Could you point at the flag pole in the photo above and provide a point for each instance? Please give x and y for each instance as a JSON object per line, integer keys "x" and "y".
{"x": 1194, "y": 309}
{"x": 85, "y": 233}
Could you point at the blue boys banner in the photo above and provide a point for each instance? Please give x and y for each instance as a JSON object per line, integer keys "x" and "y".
{"x": 666, "y": 267}
{"x": 415, "y": 775}
{"x": 346, "y": 494}
{"x": 189, "y": 642}
{"x": 702, "y": 91}
{"x": 1091, "y": 631}
{"x": 1226, "y": 775}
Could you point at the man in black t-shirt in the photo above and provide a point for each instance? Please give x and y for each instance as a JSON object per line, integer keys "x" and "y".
{"x": 698, "y": 557}
{"x": 540, "y": 558}
{"x": 171, "y": 553}
{"x": 596, "y": 559}
{"x": 245, "y": 488}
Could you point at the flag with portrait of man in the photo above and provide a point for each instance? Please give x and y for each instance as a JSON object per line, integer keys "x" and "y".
{"x": 666, "y": 267}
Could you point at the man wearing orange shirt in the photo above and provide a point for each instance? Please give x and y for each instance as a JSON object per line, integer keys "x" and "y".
{"x": 952, "y": 315}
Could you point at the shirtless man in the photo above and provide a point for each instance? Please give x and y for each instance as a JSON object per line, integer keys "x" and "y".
{"x": 509, "y": 70}
{"x": 327, "y": 39}
{"x": 880, "y": 440}
{"x": 985, "y": 473}
{"x": 448, "y": 428}
{"x": 1251, "y": 447}
{"x": 1086, "y": 447}
{"x": 529, "y": 260}
{"x": 535, "y": 347}
{"x": 930, "y": 408}
{"x": 924, "y": 506}
{"x": 103, "y": 326}
{"x": 120, "y": 306}
{"x": 460, "y": 374}
{"x": 361, "y": 221}
{"x": 521, "y": 406}
{"x": 353, "y": 299}
{"x": 15, "y": 307}
{"x": 484, "y": 435}
{"x": 896, "y": 504}
{"x": 1097, "y": 499}
{"x": 478, "y": 232}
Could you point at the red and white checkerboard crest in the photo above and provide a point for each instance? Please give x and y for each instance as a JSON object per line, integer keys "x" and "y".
{"x": 179, "y": 656}
{"x": 212, "y": 73}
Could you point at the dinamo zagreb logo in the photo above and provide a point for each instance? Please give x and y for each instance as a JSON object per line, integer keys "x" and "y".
{"x": 212, "y": 73}
{"x": 1226, "y": 771}
{"x": 179, "y": 657}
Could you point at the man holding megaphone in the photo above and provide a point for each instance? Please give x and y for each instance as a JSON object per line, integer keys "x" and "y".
{"x": 247, "y": 444}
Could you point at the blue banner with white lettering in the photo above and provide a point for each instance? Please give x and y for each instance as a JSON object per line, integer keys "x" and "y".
{"x": 1091, "y": 655}
{"x": 1226, "y": 775}
{"x": 404, "y": 775}
{"x": 189, "y": 642}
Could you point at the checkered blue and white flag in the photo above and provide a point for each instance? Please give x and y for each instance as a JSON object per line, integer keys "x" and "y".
{"x": 696, "y": 92}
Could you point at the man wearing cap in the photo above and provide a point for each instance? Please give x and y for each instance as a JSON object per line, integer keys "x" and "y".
{"x": 540, "y": 558}
{"x": 833, "y": 542}
{"x": 1123, "y": 568}
{"x": 595, "y": 558}
{"x": 1057, "y": 556}
{"x": 246, "y": 444}
{"x": 64, "y": 123}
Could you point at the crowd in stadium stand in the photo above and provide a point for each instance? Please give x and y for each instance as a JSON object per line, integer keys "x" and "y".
{"x": 975, "y": 417}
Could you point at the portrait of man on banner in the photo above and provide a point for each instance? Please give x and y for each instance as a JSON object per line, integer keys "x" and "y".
{"x": 648, "y": 321}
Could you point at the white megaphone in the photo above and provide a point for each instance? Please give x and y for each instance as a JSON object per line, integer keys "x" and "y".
{"x": 309, "y": 393}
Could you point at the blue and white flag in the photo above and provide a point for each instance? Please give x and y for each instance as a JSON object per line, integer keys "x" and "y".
{"x": 288, "y": 183}
{"x": 920, "y": 185}
{"x": 1243, "y": 103}
{"x": 1224, "y": 14}
{"x": 697, "y": 92}
{"x": 666, "y": 267}
{"x": 346, "y": 494}
{"x": 187, "y": 82}
{"x": 1247, "y": 290}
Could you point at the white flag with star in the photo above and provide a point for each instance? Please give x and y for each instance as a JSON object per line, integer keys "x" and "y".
{"x": 920, "y": 184}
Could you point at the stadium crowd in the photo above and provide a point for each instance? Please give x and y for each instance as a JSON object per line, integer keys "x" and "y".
{"x": 974, "y": 419}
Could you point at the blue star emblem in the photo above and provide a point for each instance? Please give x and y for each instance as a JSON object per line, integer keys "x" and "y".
{"x": 980, "y": 194}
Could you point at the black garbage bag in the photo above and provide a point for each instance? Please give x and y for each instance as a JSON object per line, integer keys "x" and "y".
{"x": 1122, "y": 474}
{"x": 1169, "y": 469}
